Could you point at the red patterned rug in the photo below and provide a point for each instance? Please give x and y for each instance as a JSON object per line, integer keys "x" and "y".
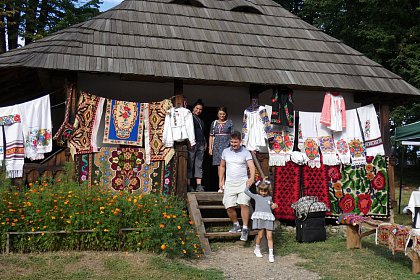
{"x": 315, "y": 183}
{"x": 286, "y": 190}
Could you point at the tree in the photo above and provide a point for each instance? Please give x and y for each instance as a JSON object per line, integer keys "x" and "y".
{"x": 34, "y": 19}
{"x": 385, "y": 31}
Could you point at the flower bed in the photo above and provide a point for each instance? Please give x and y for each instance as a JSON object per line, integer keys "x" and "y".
{"x": 160, "y": 224}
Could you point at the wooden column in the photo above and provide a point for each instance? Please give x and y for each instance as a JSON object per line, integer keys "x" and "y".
{"x": 182, "y": 161}
{"x": 181, "y": 148}
{"x": 386, "y": 139}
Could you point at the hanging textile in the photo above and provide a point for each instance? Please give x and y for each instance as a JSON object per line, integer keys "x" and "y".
{"x": 327, "y": 146}
{"x": 281, "y": 147}
{"x": 308, "y": 137}
{"x": 286, "y": 190}
{"x": 124, "y": 169}
{"x": 179, "y": 126}
{"x": 283, "y": 108}
{"x": 333, "y": 113}
{"x": 315, "y": 183}
{"x": 154, "y": 123}
{"x": 353, "y": 137}
{"x": 66, "y": 129}
{"x": 88, "y": 116}
{"x": 256, "y": 128}
{"x": 360, "y": 189}
{"x": 37, "y": 127}
{"x": 372, "y": 133}
{"x": 124, "y": 122}
{"x": 13, "y": 152}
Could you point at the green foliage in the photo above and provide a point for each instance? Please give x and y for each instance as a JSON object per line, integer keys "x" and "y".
{"x": 161, "y": 224}
{"x": 35, "y": 19}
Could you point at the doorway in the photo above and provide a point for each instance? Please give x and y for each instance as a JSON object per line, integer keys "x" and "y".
{"x": 210, "y": 178}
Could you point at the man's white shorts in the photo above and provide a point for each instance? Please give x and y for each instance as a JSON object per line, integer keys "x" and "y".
{"x": 233, "y": 194}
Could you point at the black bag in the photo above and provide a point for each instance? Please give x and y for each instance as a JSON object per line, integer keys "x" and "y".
{"x": 311, "y": 230}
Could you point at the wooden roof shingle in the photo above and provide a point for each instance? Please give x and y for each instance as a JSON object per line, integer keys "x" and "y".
{"x": 209, "y": 42}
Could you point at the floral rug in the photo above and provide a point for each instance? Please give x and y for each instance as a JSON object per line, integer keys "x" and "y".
{"x": 124, "y": 122}
{"x": 360, "y": 189}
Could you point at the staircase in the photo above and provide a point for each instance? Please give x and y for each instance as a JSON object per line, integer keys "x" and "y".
{"x": 210, "y": 218}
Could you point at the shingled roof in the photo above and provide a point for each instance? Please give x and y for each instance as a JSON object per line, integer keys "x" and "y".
{"x": 236, "y": 41}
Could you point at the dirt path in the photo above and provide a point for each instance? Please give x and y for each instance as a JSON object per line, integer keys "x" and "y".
{"x": 239, "y": 262}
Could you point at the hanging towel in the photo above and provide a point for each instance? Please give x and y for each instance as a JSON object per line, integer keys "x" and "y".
{"x": 37, "y": 127}
{"x": 13, "y": 151}
{"x": 353, "y": 137}
{"x": 326, "y": 145}
{"x": 256, "y": 129}
{"x": 88, "y": 117}
{"x": 281, "y": 148}
{"x": 309, "y": 137}
{"x": 124, "y": 122}
{"x": 333, "y": 113}
{"x": 371, "y": 130}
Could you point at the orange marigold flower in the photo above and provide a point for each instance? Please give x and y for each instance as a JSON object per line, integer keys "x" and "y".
{"x": 163, "y": 247}
{"x": 179, "y": 227}
{"x": 190, "y": 222}
{"x": 161, "y": 225}
{"x": 183, "y": 251}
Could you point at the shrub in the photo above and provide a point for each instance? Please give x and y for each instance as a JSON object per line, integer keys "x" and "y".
{"x": 161, "y": 224}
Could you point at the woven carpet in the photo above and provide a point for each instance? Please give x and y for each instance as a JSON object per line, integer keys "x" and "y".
{"x": 86, "y": 121}
{"x": 156, "y": 120}
{"x": 124, "y": 123}
{"x": 315, "y": 183}
{"x": 286, "y": 190}
{"x": 124, "y": 169}
{"x": 360, "y": 189}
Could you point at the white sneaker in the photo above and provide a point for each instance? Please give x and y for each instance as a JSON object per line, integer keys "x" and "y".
{"x": 271, "y": 258}
{"x": 258, "y": 253}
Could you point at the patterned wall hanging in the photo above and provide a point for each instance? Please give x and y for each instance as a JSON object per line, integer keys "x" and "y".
{"x": 154, "y": 137}
{"x": 124, "y": 169}
{"x": 286, "y": 190}
{"x": 360, "y": 189}
{"x": 315, "y": 183}
{"x": 88, "y": 116}
{"x": 124, "y": 122}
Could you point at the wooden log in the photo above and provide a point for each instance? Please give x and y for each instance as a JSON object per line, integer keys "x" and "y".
{"x": 353, "y": 239}
{"x": 414, "y": 256}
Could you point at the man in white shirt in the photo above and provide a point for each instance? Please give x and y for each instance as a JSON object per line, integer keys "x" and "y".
{"x": 236, "y": 160}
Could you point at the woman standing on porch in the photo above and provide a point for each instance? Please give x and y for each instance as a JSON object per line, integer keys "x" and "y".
{"x": 220, "y": 131}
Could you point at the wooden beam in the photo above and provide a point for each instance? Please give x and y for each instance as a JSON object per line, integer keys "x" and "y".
{"x": 195, "y": 216}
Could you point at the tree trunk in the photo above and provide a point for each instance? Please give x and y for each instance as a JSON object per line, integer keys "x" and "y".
{"x": 43, "y": 17}
{"x": 30, "y": 25}
{"x": 13, "y": 21}
{"x": 2, "y": 34}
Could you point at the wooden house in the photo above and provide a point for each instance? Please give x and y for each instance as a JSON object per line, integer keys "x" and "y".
{"x": 224, "y": 52}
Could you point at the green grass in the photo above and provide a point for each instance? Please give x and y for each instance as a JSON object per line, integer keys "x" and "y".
{"x": 331, "y": 259}
{"x": 98, "y": 265}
